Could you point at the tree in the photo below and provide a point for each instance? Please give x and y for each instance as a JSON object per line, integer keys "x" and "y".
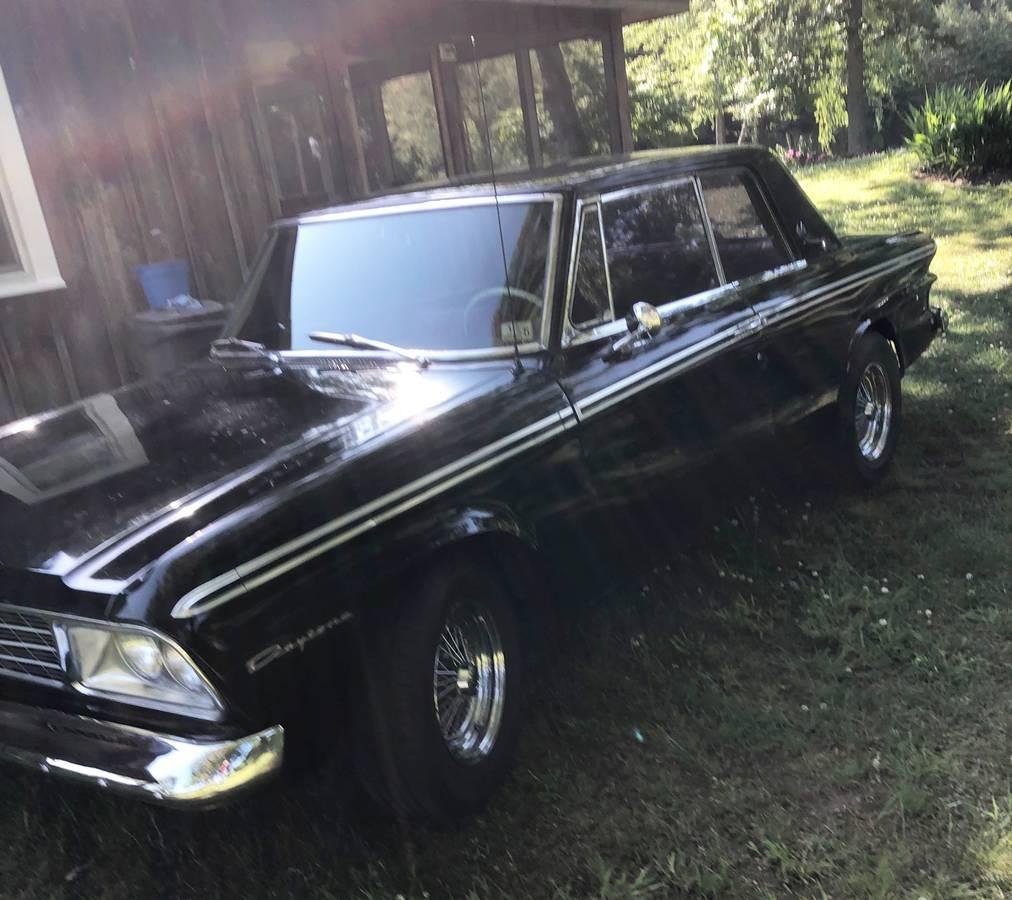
{"x": 857, "y": 121}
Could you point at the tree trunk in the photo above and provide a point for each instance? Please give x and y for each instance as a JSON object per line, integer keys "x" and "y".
{"x": 857, "y": 125}
{"x": 720, "y": 127}
{"x": 561, "y": 104}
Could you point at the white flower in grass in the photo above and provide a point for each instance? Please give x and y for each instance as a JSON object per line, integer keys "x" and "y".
{"x": 927, "y": 613}
{"x": 884, "y": 589}
{"x": 883, "y": 622}
{"x": 920, "y": 576}
{"x": 969, "y": 576}
{"x": 804, "y": 708}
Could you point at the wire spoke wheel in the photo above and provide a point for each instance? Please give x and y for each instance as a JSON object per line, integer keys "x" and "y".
{"x": 469, "y": 683}
{"x": 873, "y": 412}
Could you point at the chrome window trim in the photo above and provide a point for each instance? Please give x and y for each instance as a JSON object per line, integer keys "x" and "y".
{"x": 571, "y": 330}
{"x": 442, "y": 203}
{"x": 645, "y": 187}
{"x": 408, "y": 206}
{"x": 742, "y": 173}
{"x": 573, "y": 335}
{"x": 718, "y": 265}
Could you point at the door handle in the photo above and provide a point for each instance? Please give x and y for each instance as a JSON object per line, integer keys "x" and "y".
{"x": 749, "y": 326}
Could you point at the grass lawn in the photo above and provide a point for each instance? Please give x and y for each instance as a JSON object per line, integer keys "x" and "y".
{"x": 814, "y": 699}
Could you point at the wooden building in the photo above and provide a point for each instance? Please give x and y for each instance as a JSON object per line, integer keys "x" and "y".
{"x": 138, "y": 131}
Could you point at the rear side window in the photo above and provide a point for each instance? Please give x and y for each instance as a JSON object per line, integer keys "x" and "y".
{"x": 591, "y": 303}
{"x": 743, "y": 230}
{"x": 657, "y": 246}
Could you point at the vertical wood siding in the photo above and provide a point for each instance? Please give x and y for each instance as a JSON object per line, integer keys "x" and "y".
{"x": 140, "y": 121}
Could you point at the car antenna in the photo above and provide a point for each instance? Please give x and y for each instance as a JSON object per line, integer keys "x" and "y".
{"x": 517, "y": 364}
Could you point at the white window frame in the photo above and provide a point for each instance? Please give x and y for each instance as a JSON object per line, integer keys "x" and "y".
{"x": 38, "y": 270}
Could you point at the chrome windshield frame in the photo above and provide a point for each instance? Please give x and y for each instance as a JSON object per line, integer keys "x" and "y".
{"x": 453, "y": 202}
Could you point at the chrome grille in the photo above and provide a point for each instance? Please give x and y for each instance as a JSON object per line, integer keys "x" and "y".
{"x": 28, "y": 646}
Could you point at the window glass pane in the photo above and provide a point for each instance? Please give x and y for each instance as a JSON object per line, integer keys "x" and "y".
{"x": 431, "y": 280}
{"x": 8, "y": 252}
{"x": 292, "y": 116}
{"x": 415, "y": 146}
{"x": 501, "y": 87}
{"x": 570, "y": 89}
{"x": 746, "y": 244}
{"x": 590, "y": 293}
{"x": 657, "y": 247}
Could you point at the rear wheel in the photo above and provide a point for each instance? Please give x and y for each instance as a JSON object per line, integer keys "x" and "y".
{"x": 443, "y": 685}
{"x": 870, "y": 409}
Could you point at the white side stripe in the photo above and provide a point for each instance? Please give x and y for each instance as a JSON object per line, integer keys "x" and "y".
{"x": 282, "y": 559}
{"x": 362, "y": 518}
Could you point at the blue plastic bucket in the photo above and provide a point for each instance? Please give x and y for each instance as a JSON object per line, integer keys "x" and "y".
{"x": 163, "y": 281}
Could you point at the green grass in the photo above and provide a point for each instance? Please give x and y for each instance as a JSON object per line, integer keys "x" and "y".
{"x": 812, "y": 700}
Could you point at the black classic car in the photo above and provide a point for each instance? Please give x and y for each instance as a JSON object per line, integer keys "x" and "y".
{"x": 331, "y": 530}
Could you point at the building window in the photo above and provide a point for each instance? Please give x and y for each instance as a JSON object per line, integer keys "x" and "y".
{"x": 409, "y": 108}
{"x": 27, "y": 261}
{"x": 293, "y": 115}
{"x": 399, "y": 127}
{"x": 571, "y": 92}
{"x": 501, "y": 87}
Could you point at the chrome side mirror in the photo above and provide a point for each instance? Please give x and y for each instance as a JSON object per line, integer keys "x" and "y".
{"x": 643, "y": 322}
{"x": 644, "y": 317}
{"x": 810, "y": 243}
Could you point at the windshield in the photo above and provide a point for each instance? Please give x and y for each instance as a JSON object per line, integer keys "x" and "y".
{"x": 431, "y": 279}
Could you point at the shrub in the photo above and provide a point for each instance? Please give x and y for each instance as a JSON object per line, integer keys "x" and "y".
{"x": 961, "y": 131}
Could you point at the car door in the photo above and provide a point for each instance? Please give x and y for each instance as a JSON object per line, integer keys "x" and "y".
{"x": 807, "y": 306}
{"x": 689, "y": 390}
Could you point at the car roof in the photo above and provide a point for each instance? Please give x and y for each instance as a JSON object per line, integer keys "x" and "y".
{"x": 583, "y": 176}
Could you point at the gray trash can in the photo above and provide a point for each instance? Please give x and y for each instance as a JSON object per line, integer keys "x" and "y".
{"x": 165, "y": 339}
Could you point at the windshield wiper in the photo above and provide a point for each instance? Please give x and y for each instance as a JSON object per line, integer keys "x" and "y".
{"x": 364, "y": 343}
{"x": 237, "y": 348}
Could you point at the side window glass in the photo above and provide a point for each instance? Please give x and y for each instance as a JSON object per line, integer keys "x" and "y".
{"x": 745, "y": 235}
{"x": 590, "y": 293}
{"x": 657, "y": 247}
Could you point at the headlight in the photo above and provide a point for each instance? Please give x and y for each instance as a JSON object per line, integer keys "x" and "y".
{"x": 134, "y": 665}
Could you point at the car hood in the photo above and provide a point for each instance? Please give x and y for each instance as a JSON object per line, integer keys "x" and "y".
{"x": 82, "y": 483}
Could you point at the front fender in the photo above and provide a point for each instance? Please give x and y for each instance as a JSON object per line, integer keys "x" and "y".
{"x": 456, "y": 528}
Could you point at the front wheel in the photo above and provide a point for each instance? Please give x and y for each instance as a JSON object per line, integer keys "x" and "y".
{"x": 870, "y": 408}
{"x": 443, "y": 688}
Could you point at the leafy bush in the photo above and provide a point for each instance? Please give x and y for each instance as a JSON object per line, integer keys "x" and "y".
{"x": 961, "y": 131}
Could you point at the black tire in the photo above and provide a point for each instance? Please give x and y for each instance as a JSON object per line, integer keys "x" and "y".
{"x": 867, "y": 442}
{"x": 402, "y": 758}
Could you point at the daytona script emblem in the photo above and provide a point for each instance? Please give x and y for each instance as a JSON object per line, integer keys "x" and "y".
{"x": 273, "y": 653}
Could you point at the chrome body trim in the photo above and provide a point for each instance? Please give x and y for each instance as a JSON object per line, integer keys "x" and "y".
{"x": 260, "y": 570}
{"x": 165, "y": 769}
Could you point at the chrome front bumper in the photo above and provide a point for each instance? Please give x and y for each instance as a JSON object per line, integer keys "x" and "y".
{"x": 172, "y": 771}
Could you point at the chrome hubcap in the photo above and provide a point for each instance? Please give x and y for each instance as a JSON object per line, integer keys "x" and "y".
{"x": 469, "y": 683}
{"x": 873, "y": 412}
